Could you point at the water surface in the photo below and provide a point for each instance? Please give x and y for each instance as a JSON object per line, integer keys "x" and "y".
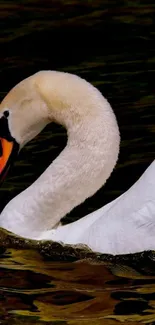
{"x": 43, "y": 282}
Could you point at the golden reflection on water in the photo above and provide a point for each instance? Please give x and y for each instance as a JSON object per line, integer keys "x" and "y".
{"x": 36, "y": 287}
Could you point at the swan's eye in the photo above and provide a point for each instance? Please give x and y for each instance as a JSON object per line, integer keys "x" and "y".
{"x": 6, "y": 113}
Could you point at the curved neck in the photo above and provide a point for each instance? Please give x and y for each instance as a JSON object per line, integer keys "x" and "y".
{"x": 77, "y": 173}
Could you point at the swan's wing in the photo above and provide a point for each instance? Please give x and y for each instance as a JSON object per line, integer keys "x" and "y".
{"x": 128, "y": 225}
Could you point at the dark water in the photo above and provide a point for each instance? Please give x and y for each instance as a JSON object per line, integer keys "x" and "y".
{"x": 111, "y": 44}
{"x": 46, "y": 283}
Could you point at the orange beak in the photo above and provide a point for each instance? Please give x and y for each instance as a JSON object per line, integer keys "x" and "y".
{"x": 6, "y": 148}
{"x": 7, "y": 152}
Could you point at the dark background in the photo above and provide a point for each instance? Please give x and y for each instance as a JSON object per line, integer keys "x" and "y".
{"x": 111, "y": 45}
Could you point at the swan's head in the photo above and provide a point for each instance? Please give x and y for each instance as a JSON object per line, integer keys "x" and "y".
{"x": 23, "y": 114}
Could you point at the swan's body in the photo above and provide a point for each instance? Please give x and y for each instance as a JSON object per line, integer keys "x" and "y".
{"x": 125, "y": 225}
{"x": 78, "y": 172}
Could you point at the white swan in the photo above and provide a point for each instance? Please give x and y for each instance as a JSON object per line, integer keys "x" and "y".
{"x": 125, "y": 225}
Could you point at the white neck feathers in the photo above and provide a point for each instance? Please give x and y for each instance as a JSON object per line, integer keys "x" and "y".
{"x": 81, "y": 168}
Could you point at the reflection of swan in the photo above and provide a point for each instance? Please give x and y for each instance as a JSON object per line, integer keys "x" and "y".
{"x": 126, "y": 224}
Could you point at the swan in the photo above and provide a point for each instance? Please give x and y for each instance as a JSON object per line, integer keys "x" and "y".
{"x": 125, "y": 225}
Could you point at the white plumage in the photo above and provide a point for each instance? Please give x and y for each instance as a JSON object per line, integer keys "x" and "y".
{"x": 123, "y": 226}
